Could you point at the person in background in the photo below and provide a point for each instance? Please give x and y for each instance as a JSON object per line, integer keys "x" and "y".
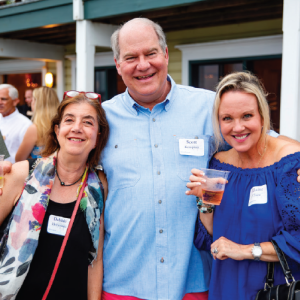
{"x": 26, "y": 109}
{"x": 13, "y": 125}
{"x": 261, "y": 199}
{"x": 44, "y": 106}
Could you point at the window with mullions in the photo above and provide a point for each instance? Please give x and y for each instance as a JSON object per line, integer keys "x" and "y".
{"x": 108, "y": 82}
{"x": 206, "y": 75}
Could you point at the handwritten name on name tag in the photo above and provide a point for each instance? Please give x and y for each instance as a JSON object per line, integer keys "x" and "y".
{"x": 191, "y": 147}
{"x": 58, "y": 225}
{"x": 258, "y": 195}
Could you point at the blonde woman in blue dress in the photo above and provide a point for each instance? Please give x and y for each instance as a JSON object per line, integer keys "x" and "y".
{"x": 261, "y": 200}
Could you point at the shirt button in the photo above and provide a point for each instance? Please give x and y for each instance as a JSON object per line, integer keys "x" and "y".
{"x": 116, "y": 146}
{"x": 162, "y": 260}
{"x": 160, "y": 231}
{"x": 159, "y": 201}
{"x": 153, "y": 120}
{"x": 158, "y": 172}
{"x": 155, "y": 145}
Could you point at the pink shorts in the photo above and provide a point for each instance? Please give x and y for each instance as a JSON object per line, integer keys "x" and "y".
{"x": 191, "y": 296}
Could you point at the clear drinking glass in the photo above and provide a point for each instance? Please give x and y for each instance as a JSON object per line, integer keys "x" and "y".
{"x": 213, "y": 188}
{"x": 1, "y": 171}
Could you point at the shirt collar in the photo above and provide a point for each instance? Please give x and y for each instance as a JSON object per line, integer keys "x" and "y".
{"x": 136, "y": 108}
{"x": 11, "y": 116}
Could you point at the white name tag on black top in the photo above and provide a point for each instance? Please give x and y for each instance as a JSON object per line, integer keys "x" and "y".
{"x": 258, "y": 195}
{"x": 58, "y": 225}
{"x": 191, "y": 147}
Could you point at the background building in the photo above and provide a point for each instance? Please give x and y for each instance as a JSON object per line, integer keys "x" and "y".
{"x": 207, "y": 39}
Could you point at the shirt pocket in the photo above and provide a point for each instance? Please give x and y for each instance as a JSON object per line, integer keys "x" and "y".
{"x": 121, "y": 164}
{"x": 185, "y": 163}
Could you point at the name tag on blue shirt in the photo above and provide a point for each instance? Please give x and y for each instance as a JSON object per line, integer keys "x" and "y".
{"x": 258, "y": 195}
{"x": 58, "y": 225}
{"x": 191, "y": 147}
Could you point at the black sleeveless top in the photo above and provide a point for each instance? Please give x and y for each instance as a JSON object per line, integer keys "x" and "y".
{"x": 72, "y": 275}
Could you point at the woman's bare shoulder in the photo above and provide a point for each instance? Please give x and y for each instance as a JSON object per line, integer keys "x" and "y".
{"x": 285, "y": 148}
{"x": 225, "y": 156}
{"x": 32, "y": 129}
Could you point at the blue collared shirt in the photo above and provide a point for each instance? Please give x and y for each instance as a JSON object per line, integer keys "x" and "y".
{"x": 149, "y": 221}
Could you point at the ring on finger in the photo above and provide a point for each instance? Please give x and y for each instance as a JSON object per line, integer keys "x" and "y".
{"x": 215, "y": 251}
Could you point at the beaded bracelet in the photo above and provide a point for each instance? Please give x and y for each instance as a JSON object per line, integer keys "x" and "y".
{"x": 204, "y": 208}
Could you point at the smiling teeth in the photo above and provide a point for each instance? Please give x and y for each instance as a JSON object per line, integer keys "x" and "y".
{"x": 76, "y": 140}
{"x": 143, "y": 77}
{"x": 241, "y": 137}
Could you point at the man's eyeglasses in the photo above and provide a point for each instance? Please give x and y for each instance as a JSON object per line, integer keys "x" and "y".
{"x": 90, "y": 95}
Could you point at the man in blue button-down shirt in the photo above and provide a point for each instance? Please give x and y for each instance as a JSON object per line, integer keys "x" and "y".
{"x": 149, "y": 221}
{"x": 159, "y": 131}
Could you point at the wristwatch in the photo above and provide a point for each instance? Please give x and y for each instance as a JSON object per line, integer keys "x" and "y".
{"x": 256, "y": 251}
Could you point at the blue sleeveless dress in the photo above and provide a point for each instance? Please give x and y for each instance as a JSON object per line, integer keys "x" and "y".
{"x": 35, "y": 152}
{"x": 259, "y": 205}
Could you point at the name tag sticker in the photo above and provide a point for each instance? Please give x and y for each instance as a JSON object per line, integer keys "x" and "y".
{"x": 58, "y": 225}
{"x": 191, "y": 147}
{"x": 258, "y": 195}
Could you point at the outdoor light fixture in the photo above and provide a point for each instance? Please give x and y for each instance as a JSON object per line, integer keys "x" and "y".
{"x": 49, "y": 79}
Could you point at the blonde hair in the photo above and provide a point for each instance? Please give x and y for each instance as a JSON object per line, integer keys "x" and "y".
{"x": 242, "y": 82}
{"x": 46, "y": 104}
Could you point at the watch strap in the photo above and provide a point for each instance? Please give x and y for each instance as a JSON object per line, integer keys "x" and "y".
{"x": 257, "y": 258}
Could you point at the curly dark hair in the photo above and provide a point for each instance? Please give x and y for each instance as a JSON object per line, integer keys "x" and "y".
{"x": 52, "y": 144}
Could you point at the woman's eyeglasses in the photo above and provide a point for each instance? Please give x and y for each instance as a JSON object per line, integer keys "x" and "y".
{"x": 90, "y": 95}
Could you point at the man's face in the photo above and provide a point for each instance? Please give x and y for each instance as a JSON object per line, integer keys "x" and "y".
{"x": 143, "y": 65}
{"x": 7, "y": 105}
{"x": 28, "y": 97}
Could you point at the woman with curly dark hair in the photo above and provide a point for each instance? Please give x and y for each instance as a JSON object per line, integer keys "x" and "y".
{"x": 47, "y": 217}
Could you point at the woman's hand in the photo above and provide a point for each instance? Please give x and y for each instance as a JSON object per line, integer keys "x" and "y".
{"x": 195, "y": 183}
{"x": 6, "y": 169}
{"x": 228, "y": 249}
{"x": 12, "y": 189}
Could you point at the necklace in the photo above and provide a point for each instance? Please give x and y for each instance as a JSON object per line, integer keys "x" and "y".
{"x": 261, "y": 155}
{"x": 62, "y": 183}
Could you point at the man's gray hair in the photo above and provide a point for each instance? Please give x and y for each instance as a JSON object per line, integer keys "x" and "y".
{"x": 12, "y": 91}
{"x": 157, "y": 28}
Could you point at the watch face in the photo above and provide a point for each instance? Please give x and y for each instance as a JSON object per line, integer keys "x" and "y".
{"x": 257, "y": 251}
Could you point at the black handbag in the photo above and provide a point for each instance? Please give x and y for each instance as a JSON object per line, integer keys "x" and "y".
{"x": 288, "y": 291}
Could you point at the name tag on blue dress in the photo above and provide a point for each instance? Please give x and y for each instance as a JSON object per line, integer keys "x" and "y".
{"x": 258, "y": 195}
{"x": 58, "y": 225}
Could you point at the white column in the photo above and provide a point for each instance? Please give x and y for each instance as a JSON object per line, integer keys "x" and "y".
{"x": 85, "y": 56}
{"x": 44, "y": 71}
{"x": 60, "y": 79}
{"x": 290, "y": 82}
{"x": 78, "y": 10}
